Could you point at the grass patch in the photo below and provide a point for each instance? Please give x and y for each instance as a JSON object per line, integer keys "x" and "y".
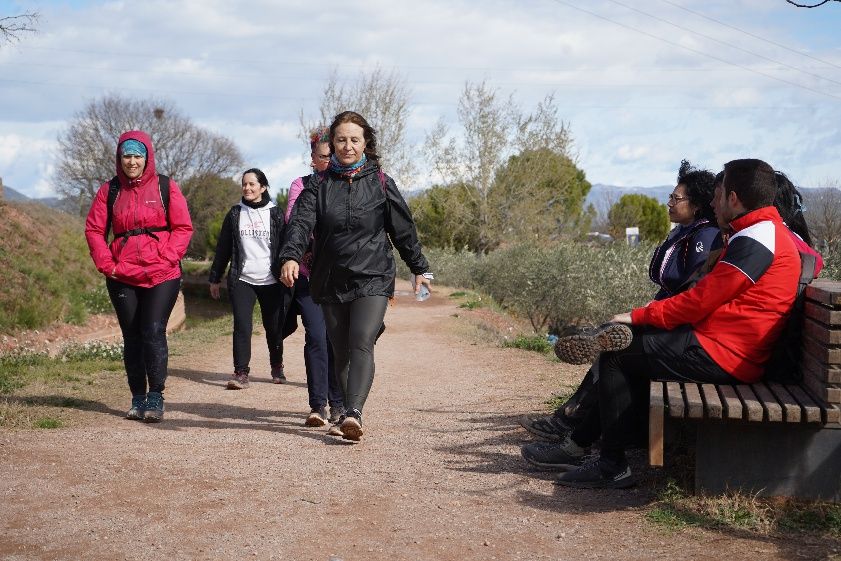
{"x": 534, "y": 343}
{"x": 48, "y": 423}
{"x": 559, "y": 399}
{"x": 675, "y": 510}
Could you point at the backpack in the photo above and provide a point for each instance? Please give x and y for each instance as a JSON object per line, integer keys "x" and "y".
{"x": 114, "y": 191}
{"x": 784, "y": 365}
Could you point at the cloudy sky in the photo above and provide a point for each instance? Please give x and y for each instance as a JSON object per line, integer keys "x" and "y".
{"x": 642, "y": 83}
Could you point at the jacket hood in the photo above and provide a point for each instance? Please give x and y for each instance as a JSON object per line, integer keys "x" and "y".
{"x": 149, "y": 171}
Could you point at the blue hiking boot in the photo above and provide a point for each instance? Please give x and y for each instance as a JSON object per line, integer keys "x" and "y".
{"x": 154, "y": 408}
{"x": 138, "y": 407}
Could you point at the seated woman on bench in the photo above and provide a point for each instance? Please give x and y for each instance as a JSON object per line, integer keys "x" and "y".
{"x": 673, "y": 268}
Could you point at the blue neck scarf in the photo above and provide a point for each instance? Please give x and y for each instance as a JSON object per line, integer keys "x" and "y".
{"x": 347, "y": 171}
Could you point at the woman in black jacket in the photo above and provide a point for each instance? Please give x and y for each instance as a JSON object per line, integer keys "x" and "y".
{"x": 355, "y": 213}
{"x": 250, "y": 240}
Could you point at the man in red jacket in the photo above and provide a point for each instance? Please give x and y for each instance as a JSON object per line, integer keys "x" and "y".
{"x": 721, "y": 331}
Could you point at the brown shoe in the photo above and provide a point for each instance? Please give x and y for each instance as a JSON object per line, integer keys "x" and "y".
{"x": 239, "y": 381}
{"x": 351, "y": 427}
{"x": 317, "y": 417}
{"x": 335, "y": 430}
{"x": 583, "y": 347}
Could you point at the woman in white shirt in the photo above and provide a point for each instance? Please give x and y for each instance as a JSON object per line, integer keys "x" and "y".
{"x": 250, "y": 240}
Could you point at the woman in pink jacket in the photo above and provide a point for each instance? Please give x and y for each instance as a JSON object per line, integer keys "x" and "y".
{"x": 142, "y": 264}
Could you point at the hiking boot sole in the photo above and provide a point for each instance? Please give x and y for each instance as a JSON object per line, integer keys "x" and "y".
{"x": 623, "y": 483}
{"x": 315, "y": 421}
{"x": 335, "y": 431}
{"x": 276, "y": 380}
{"x": 583, "y": 348}
{"x": 351, "y": 430}
{"x": 135, "y": 415}
{"x": 153, "y": 418}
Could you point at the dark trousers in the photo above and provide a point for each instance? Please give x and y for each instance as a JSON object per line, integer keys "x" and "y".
{"x": 353, "y": 328}
{"x": 322, "y": 382}
{"x": 243, "y": 297}
{"x": 623, "y": 384}
{"x": 143, "y": 314}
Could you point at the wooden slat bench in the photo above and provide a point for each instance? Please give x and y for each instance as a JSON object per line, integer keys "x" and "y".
{"x": 766, "y": 438}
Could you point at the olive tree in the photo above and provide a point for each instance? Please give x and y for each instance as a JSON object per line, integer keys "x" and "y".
{"x": 493, "y": 131}
{"x": 88, "y": 145}
{"x": 641, "y": 211}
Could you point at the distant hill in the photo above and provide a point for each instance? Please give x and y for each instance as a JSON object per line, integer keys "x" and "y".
{"x": 602, "y": 195}
{"x": 14, "y": 195}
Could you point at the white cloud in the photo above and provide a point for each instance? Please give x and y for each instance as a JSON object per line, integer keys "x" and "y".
{"x": 636, "y": 104}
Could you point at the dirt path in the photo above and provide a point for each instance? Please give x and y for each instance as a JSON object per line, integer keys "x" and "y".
{"x": 235, "y": 475}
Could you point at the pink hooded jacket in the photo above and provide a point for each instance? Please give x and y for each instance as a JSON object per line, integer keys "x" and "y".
{"x": 139, "y": 260}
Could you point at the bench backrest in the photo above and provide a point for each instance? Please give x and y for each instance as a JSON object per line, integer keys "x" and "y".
{"x": 821, "y": 342}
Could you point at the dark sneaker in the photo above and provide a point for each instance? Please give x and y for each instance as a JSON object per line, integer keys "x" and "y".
{"x": 277, "y": 375}
{"x": 154, "y": 412}
{"x": 598, "y": 473}
{"x": 238, "y": 381}
{"x": 351, "y": 426}
{"x": 317, "y": 417}
{"x": 548, "y": 427}
{"x": 554, "y": 456}
{"x": 336, "y": 415}
{"x": 138, "y": 406}
{"x": 583, "y": 347}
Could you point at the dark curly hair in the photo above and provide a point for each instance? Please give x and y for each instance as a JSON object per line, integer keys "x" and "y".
{"x": 789, "y": 203}
{"x": 368, "y": 132}
{"x": 700, "y": 186}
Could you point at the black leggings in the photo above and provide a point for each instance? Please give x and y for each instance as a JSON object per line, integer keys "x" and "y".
{"x": 143, "y": 314}
{"x": 623, "y": 384}
{"x": 243, "y": 296}
{"x": 353, "y": 328}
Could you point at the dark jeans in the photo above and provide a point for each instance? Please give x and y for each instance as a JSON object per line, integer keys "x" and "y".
{"x": 353, "y": 328}
{"x": 143, "y": 314}
{"x": 623, "y": 384}
{"x": 322, "y": 382}
{"x": 243, "y": 296}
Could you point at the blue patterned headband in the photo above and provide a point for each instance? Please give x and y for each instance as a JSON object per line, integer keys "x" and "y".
{"x": 133, "y": 147}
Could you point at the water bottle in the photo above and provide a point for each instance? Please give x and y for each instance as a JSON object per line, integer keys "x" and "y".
{"x": 423, "y": 293}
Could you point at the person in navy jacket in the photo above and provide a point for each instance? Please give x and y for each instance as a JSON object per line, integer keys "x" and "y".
{"x": 685, "y": 250}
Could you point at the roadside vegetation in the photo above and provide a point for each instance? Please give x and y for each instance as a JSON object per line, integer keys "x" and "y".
{"x": 45, "y": 269}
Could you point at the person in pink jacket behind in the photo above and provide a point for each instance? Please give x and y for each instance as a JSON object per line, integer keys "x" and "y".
{"x": 142, "y": 264}
{"x": 322, "y": 383}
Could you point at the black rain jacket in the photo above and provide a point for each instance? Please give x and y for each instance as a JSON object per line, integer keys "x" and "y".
{"x": 229, "y": 245}
{"x": 354, "y": 223}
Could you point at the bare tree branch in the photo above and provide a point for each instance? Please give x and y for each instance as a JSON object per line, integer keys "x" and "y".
{"x": 383, "y": 99}
{"x": 813, "y": 5}
{"x": 183, "y": 150}
{"x": 12, "y": 26}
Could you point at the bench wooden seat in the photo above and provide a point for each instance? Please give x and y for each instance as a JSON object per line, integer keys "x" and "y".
{"x": 768, "y": 438}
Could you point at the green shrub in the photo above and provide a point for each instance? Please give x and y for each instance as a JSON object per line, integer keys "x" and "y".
{"x": 536, "y": 343}
{"x": 48, "y": 423}
{"x": 567, "y": 283}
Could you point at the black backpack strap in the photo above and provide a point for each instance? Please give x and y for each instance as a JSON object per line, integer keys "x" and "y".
{"x": 163, "y": 188}
{"x": 113, "y": 192}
